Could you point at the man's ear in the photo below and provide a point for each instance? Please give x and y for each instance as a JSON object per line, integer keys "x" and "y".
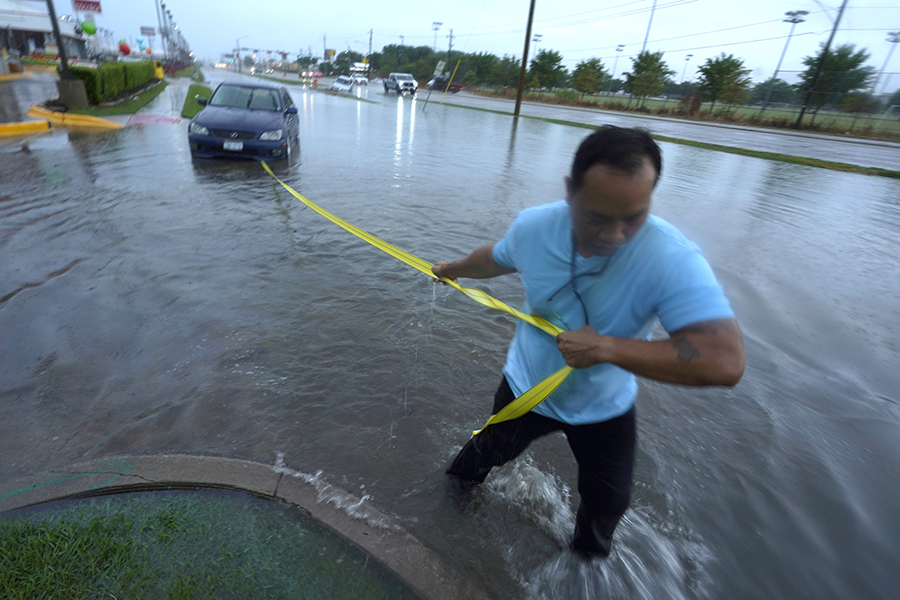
{"x": 570, "y": 190}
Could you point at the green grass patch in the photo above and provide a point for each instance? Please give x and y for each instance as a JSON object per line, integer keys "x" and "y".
{"x": 195, "y": 73}
{"x": 191, "y": 106}
{"x": 797, "y": 160}
{"x": 182, "y": 545}
{"x": 128, "y": 106}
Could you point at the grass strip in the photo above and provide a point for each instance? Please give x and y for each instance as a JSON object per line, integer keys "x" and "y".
{"x": 191, "y": 106}
{"x": 126, "y": 107}
{"x": 180, "y": 545}
{"x": 787, "y": 158}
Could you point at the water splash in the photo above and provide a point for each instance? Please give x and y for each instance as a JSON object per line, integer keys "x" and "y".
{"x": 354, "y": 506}
{"x": 540, "y": 496}
{"x": 644, "y": 565}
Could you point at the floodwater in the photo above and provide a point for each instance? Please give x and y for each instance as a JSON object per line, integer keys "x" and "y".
{"x": 149, "y": 303}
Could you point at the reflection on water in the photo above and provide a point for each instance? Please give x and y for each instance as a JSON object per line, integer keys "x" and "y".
{"x": 149, "y": 302}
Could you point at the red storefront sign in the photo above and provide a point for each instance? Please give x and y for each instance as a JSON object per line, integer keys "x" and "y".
{"x": 86, "y": 6}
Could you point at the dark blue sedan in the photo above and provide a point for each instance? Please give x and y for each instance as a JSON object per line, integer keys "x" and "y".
{"x": 246, "y": 120}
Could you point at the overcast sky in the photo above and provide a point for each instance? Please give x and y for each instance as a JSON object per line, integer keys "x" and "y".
{"x": 752, "y": 30}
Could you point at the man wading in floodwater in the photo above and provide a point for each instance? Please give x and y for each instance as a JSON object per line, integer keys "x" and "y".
{"x": 601, "y": 267}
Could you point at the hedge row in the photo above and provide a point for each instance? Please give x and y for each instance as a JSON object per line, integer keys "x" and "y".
{"x": 112, "y": 78}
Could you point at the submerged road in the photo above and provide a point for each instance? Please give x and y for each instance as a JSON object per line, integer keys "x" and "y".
{"x": 16, "y": 96}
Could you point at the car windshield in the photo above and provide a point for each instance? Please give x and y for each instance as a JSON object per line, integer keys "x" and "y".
{"x": 237, "y": 96}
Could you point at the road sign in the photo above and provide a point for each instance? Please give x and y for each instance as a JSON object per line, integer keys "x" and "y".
{"x": 148, "y": 31}
{"x": 439, "y": 68}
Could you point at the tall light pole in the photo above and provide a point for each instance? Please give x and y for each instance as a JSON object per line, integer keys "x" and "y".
{"x": 793, "y": 17}
{"x": 686, "y": 59}
{"x": 894, "y": 39}
{"x": 619, "y": 49}
{"x": 237, "y": 49}
{"x": 815, "y": 79}
{"x": 435, "y": 26}
{"x": 536, "y": 39}
{"x": 647, "y": 35}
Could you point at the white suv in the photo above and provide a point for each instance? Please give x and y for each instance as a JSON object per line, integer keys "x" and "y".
{"x": 400, "y": 83}
{"x": 359, "y": 79}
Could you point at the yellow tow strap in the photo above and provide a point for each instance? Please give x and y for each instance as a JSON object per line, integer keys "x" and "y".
{"x": 520, "y": 405}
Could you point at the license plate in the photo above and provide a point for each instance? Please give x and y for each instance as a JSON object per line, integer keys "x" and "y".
{"x": 236, "y": 146}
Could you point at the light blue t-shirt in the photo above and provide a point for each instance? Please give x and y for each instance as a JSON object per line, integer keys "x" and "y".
{"x": 658, "y": 274}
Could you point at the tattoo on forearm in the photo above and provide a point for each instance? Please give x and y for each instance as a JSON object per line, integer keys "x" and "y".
{"x": 686, "y": 350}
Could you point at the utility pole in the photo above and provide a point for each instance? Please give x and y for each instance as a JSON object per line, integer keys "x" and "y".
{"x": 63, "y": 57}
{"x": 521, "y": 89}
{"x": 815, "y": 79}
{"x": 793, "y": 17}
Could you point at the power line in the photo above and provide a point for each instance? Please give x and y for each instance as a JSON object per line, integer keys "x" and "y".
{"x": 780, "y": 37}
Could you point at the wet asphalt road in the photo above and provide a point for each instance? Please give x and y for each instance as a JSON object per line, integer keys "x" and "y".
{"x": 16, "y": 96}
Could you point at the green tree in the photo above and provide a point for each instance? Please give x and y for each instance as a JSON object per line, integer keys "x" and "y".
{"x": 343, "y": 60}
{"x": 547, "y": 68}
{"x": 588, "y": 76}
{"x": 894, "y": 100}
{"x": 723, "y": 78}
{"x": 860, "y": 102}
{"x": 677, "y": 90}
{"x": 842, "y": 72}
{"x": 505, "y": 72}
{"x": 482, "y": 64}
{"x": 648, "y": 76}
{"x": 782, "y": 92}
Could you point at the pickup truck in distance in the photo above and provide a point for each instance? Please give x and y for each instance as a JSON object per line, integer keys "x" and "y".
{"x": 400, "y": 83}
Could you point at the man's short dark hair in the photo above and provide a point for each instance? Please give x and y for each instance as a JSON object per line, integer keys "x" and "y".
{"x": 619, "y": 147}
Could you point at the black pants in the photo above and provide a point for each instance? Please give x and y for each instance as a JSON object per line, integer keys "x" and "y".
{"x": 604, "y": 452}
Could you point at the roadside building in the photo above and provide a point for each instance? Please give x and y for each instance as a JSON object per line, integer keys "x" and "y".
{"x": 26, "y": 30}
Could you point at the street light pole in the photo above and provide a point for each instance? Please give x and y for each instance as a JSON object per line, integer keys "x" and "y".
{"x": 536, "y": 39}
{"x": 686, "y": 59}
{"x": 435, "y": 26}
{"x": 237, "y": 49}
{"x": 793, "y": 17}
{"x": 894, "y": 39}
{"x": 647, "y": 35}
{"x": 815, "y": 79}
{"x": 619, "y": 48}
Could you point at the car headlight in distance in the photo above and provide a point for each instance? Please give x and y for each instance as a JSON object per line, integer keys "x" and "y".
{"x": 198, "y": 129}
{"x": 269, "y": 136}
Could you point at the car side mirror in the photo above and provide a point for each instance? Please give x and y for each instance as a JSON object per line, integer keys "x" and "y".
{"x": 291, "y": 110}
{"x": 201, "y": 101}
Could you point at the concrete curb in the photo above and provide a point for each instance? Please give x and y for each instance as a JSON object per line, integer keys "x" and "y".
{"x": 347, "y": 515}
{"x": 15, "y": 76}
{"x": 67, "y": 120}
{"x": 23, "y": 128}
